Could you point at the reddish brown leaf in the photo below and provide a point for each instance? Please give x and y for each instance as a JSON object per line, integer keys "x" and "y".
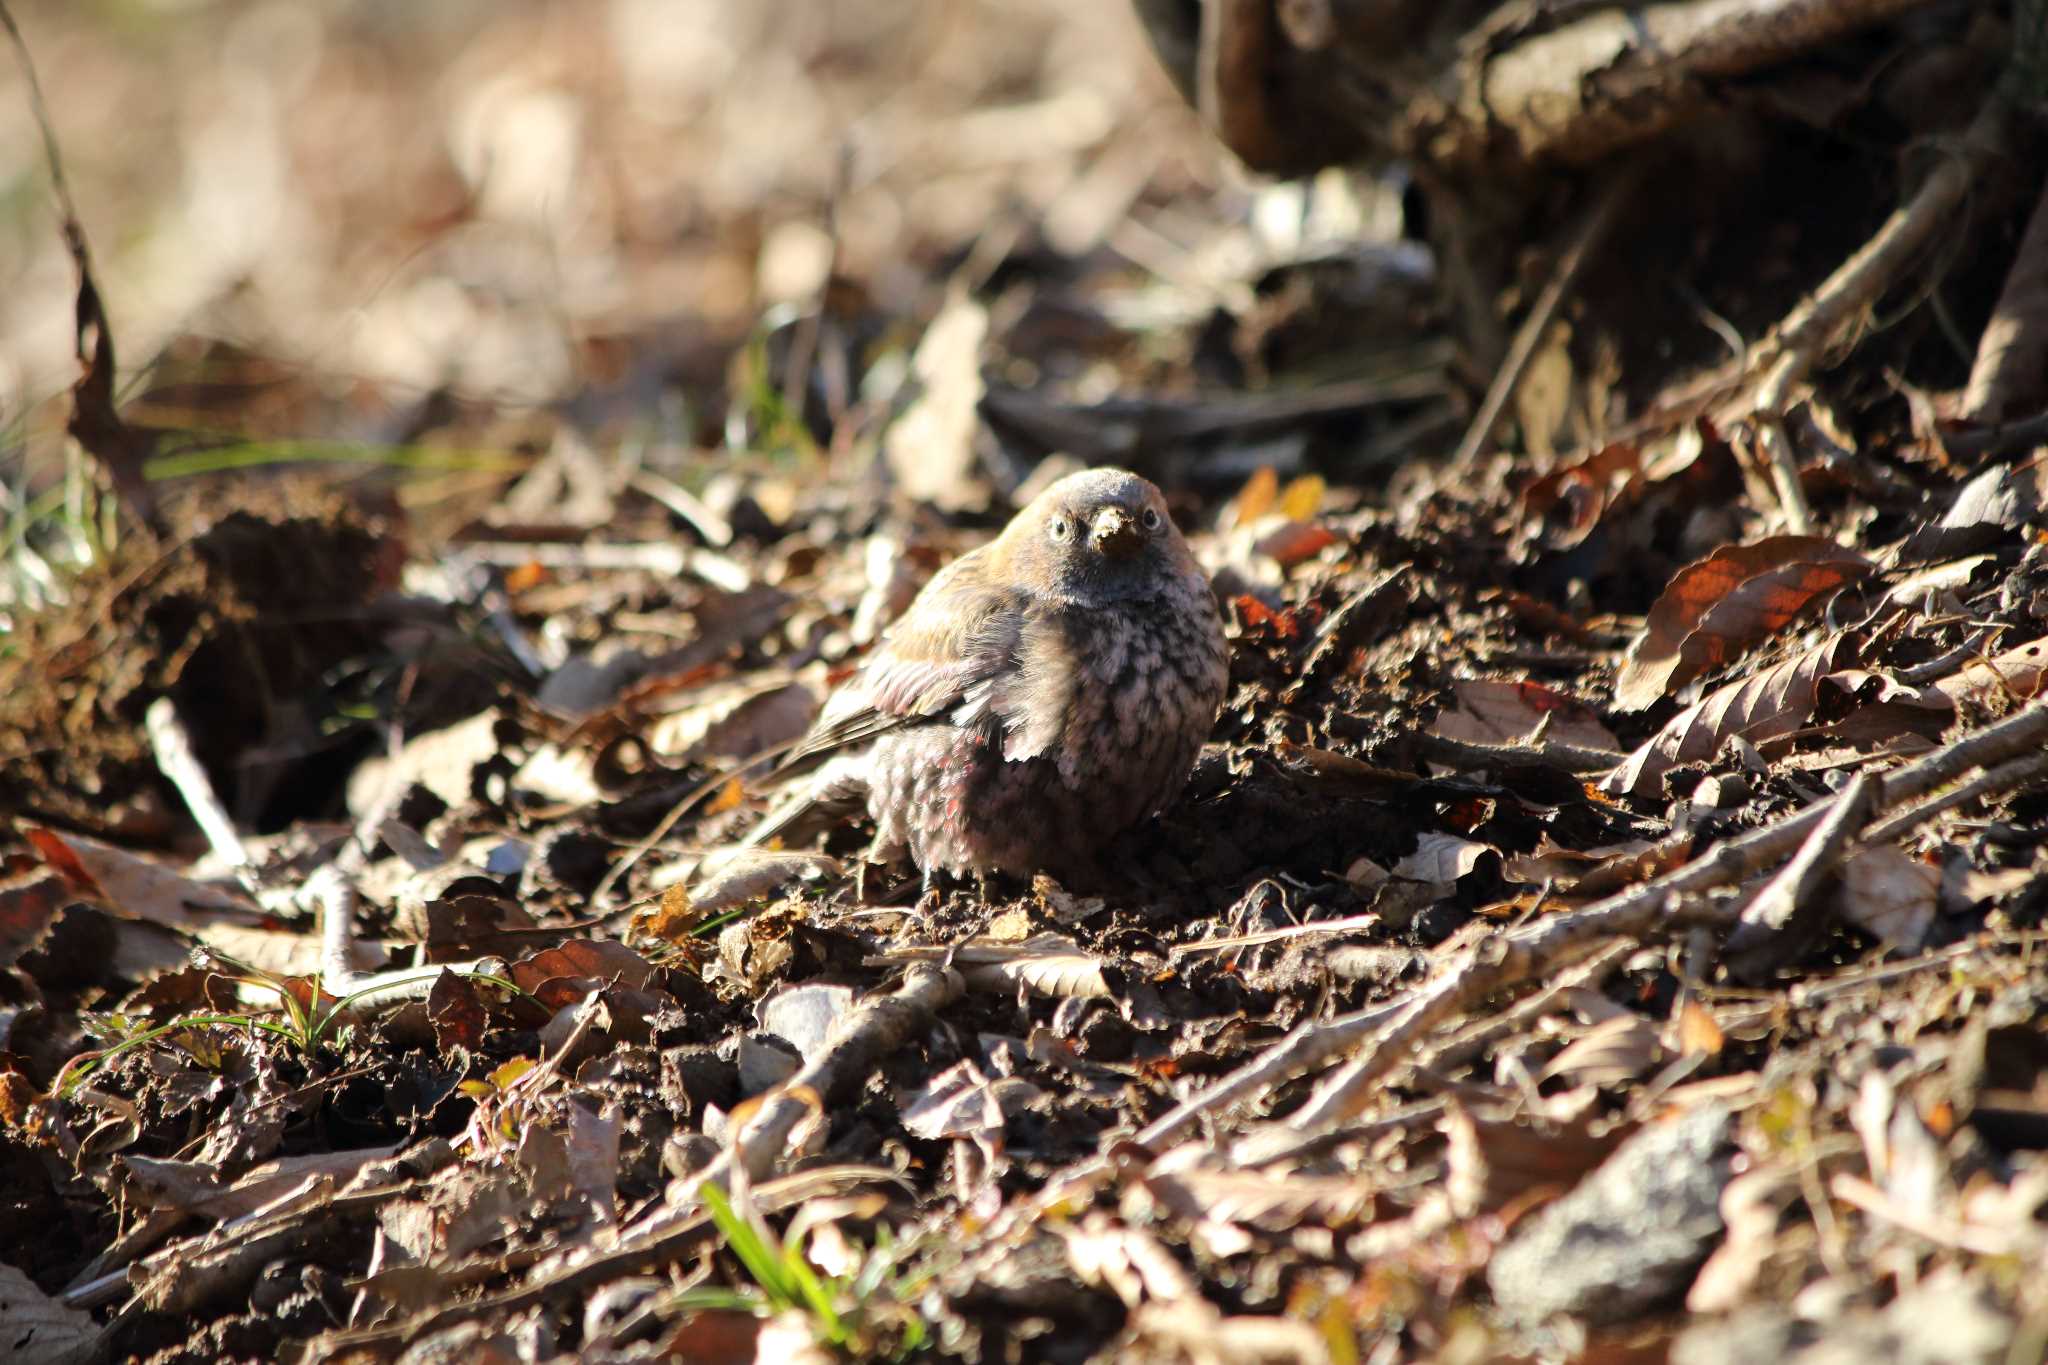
{"x": 1296, "y": 541}
{"x": 1717, "y": 607}
{"x": 1254, "y": 614}
{"x": 1583, "y": 486}
{"x": 457, "y": 1012}
{"x": 599, "y": 958}
{"x": 61, "y": 859}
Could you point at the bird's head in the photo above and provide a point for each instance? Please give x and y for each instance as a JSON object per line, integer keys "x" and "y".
{"x": 1095, "y": 538}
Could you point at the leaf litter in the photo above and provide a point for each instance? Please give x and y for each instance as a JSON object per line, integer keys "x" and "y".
{"x": 1515, "y": 979}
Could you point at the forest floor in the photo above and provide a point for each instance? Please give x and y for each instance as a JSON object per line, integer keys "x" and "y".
{"x": 1603, "y": 926}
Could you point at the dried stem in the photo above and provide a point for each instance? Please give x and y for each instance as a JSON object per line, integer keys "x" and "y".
{"x": 1394, "y": 1028}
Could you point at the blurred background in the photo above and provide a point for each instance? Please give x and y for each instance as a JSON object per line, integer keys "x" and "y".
{"x": 308, "y": 218}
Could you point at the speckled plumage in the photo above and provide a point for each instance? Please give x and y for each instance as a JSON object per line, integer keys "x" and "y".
{"x": 1043, "y": 694}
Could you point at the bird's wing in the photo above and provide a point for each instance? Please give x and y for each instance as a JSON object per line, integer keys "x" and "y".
{"x": 957, "y": 636}
{"x": 1030, "y": 702}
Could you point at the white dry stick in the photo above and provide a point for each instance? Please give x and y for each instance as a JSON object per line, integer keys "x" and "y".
{"x": 330, "y": 893}
{"x": 172, "y": 744}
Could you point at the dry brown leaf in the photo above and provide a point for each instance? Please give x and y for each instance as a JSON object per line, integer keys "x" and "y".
{"x": 1698, "y": 1033}
{"x": 1496, "y": 1161}
{"x": 593, "y": 1158}
{"x": 137, "y": 886}
{"x": 1751, "y": 1207}
{"x": 1563, "y": 868}
{"x": 732, "y": 877}
{"x": 1260, "y": 492}
{"x": 931, "y": 447}
{"x": 959, "y": 1102}
{"x": 604, "y": 959}
{"x": 1774, "y": 702}
{"x": 804, "y": 1015}
{"x": 1890, "y": 895}
{"x": 1986, "y": 509}
{"x": 1493, "y": 712}
{"x": 669, "y": 919}
{"x": 1582, "y": 489}
{"x": 1303, "y": 497}
{"x": 1274, "y": 1203}
{"x": 2016, "y": 675}
{"x": 1937, "y": 581}
{"x": 1045, "y": 964}
{"x": 1717, "y": 607}
{"x": 198, "y": 1187}
{"x": 733, "y": 721}
{"x": 443, "y": 761}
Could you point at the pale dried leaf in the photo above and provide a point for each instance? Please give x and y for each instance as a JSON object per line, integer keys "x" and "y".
{"x": 443, "y": 761}
{"x": 198, "y": 1187}
{"x": 1442, "y": 858}
{"x": 593, "y": 1155}
{"x": 1698, "y": 1033}
{"x": 138, "y": 886}
{"x": 733, "y": 722}
{"x": 1618, "y": 1050}
{"x": 1276, "y": 1203}
{"x": 36, "y": 1329}
{"x": 1890, "y": 895}
{"x": 1751, "y": 1207}
{"x": 1551, "y": 862}
{"x": 1045, "y": 964}
{"x": 1260, "y": 492}
{"x": 931, "y": 447}
{"x": 733, "y": 877}
{"x": 2017, "y": 674}
{"x": 803, "y": 1015}
{"x": 1492, "y": 712}
{"x": 958, "y": 1103}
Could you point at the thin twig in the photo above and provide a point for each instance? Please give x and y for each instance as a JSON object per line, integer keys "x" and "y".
{"x": 1818, "y": 322}
{"x": 1592, "y": 230}
{"x": 1464, "y": 753}
{"x": 1507, "y": 960}
{"x": 1467, "y": 1043}
{"x": 2004, "y": 778}
{"x": 1808, "y": 993}
{"x": 1795, "y": 883}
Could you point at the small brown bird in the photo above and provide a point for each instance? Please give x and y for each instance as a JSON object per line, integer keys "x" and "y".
{"x": 1041, "y": 695}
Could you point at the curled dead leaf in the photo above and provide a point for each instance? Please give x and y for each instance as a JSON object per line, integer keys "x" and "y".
{"x": 1773, "y": 703}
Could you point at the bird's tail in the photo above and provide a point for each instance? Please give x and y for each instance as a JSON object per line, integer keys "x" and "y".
{"x": 835, "y": 791}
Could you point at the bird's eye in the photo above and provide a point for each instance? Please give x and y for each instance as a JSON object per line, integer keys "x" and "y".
{"x": 1060, "y": 528}
{"x": 1151, "y": 518}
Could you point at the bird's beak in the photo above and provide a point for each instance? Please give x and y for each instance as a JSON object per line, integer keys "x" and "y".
{"x": 1114, "y": 535}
